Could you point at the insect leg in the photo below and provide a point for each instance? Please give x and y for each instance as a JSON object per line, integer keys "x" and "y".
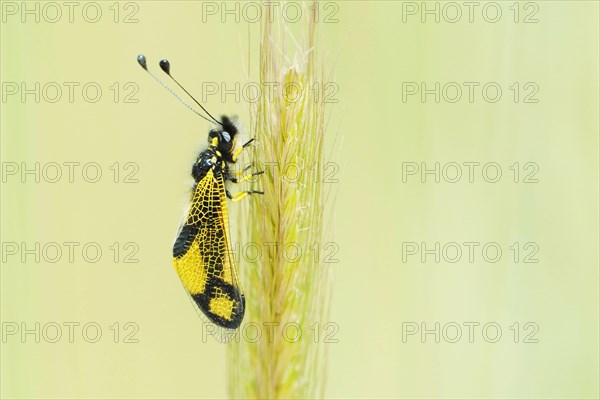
{"x": 241, "y": 195}
{"x": 245, "y": 178}
{"x": 238, "y": 151}
{"x": 246, "y": 168}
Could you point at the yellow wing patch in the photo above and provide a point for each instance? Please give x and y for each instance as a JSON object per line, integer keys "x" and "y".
{"x": 191, "y": 269}
{"x": 220, "y": 304}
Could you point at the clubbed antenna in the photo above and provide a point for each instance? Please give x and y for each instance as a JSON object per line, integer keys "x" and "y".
{"x": 141, "y": 59}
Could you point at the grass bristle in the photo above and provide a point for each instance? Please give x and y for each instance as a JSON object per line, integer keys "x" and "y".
{"x": 285, "y": 289}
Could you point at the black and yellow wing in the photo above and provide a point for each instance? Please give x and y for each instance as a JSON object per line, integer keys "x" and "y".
{"x": 202, "y": 255}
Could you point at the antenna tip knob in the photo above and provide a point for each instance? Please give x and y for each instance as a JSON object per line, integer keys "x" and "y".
{"x": 165, "y": 66}
{"x": 141, "y": 59}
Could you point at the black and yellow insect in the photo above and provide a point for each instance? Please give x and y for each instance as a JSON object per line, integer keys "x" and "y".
{"x": 202, "y": 252}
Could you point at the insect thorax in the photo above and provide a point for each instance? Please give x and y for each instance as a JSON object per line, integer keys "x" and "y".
{"x": 208, "y": 160}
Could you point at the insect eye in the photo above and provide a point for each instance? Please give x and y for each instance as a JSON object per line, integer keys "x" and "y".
{"x": 226, "y": 136}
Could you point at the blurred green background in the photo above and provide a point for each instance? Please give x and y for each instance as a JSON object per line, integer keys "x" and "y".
{"x": 376, "y": 51}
